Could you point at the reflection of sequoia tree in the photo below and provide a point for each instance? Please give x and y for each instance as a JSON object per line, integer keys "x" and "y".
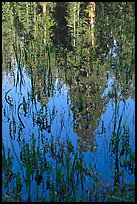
{"x": 85, "y": 91}
{"x": 87, "y": 106}
{"x": 84, "y": 86}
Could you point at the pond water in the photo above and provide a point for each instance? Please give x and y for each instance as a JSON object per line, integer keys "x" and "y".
{"x": 68, "y": 102}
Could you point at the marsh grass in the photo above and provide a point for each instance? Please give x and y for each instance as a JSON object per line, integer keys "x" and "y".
{"x": 8, "y": 98}
{"x": 60, "y": 170}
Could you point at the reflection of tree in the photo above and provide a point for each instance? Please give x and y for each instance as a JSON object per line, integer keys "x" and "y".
{"x": 123, "y": 63}
{"x": 87, "y": 104}
{"x": 86, "y": 65}
{"x": 7, "y": 34}
{"x": 116, "y": 43}
{"x": 105, "y": 42}
{"x": 28, "y": 45}
{"x": 61, "y": 35}
{"x": 92, "y": 19}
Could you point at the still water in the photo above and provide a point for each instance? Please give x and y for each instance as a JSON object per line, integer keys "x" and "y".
{"x": 58, "y": 88}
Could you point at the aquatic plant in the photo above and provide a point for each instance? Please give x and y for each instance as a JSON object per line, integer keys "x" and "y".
{"x": 8, "y": 98}
{"x": 63, "y": 176}
{"x": 19, "y": 115}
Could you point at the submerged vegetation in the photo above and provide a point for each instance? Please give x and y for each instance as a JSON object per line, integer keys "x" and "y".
{"x": 68, "y": 131}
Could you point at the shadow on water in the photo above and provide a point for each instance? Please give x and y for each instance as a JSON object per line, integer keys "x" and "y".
{"x": 61, "y": 36}
{"x": 68, "y": 126}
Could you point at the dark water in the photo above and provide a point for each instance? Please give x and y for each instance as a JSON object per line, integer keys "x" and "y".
{"x": 62, "y": 80}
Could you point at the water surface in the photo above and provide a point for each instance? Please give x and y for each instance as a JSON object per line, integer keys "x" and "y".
{"x": 63, "y": 82}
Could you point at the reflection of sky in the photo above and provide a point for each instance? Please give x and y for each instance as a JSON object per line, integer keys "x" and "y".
{"x": 103, "y": 140}
{"x": 114, "y": 49}
{"x": 62, "y": 122}
{"x": 109, "y": 88}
